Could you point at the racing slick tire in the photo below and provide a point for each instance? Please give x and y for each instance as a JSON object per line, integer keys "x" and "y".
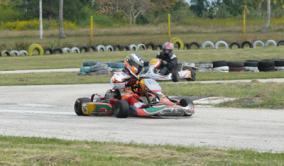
{"x": 175, "y": 76}
{"x": 120, "y": 109}
{"x": 78, "y": 105}
{"x": 186, "y": 102}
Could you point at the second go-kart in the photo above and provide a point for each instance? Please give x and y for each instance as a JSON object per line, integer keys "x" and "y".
{"x": 184, "y": 72}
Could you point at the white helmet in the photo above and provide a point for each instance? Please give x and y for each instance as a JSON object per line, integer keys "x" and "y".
{"x": 134, "y": 64}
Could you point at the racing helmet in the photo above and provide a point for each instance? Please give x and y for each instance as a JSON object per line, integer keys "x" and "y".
{"x": 168, "y": 48}
{"x": 134, "y": 64}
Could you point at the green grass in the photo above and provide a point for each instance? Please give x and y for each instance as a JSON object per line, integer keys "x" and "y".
{"x": 249, "y": 95}
{"x": 74, "y": 78}
{"x": 40, "y": 151}
{"x": 199, "y": 30}
{"x": 75, "y": 60}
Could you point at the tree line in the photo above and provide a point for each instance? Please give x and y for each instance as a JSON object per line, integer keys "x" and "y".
{"x": 137, "y": 11}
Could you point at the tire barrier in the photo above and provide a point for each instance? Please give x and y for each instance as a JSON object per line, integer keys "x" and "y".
{"x": 246, "y": 44}
{"x": 251, "y": 66}
{"x": 75, "y": 50}
{"x": 48, "y": 51}
{"x": 205, "y": 66}
{"x": 5, "y": 53}
{"x": 178, "y": 42}
{"x": 280, "y": 43}
{"x": 258, "y": 43}
{"x": 266, "y": 65}
{"x": 150, "y": 46}
{"x": 270, "y": 43}
{"x": 142, "y": 47}
{"x": 220, "y": 66}
{"x": 236, "y": 66}
{"x": 221, "y": 43}
{"x": 57, "y": 51}
{"x": 279, "y": 65}
{"x": 192, "y": 45}
{"x": 35, "y": 47}
{"x": 66, "y": 50}
{"x": 208, "y": 44}
{"x": 23, "y": 53}
{"x": 84, "y": 49}
{"x": 109, "y": 48}
{"x": 158, "y": 47}
{"x": 92, "y": 67}
{"x": 234, "y": 44}
{"x": 100, "y": 48}
{"x": 14, "y": 53}
{"x": 133, "y": 47}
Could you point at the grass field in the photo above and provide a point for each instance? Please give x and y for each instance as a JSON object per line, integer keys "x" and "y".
{"x": 142, "y": 34}
{"x": 75, "y": 60}
{"x": 40, "y": 151}
{"x": 249, "y": 95}
{"x": 74, "y": 78}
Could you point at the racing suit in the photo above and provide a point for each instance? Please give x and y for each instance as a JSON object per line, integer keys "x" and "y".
{"x": 123, "y": 83}
{"x": 169, "y": 64}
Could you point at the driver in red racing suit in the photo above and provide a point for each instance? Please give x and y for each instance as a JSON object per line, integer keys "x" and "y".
{"x": 124, "y": 82}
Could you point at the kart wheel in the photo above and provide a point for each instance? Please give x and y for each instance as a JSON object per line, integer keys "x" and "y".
{"x": 175, "y": 76}
{"x": 78, "y": 105}
{"x": 120, "y": 109}
{"x": 186, "y": 102}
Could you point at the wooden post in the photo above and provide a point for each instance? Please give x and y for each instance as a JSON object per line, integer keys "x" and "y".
{"x": 91, "y": 29}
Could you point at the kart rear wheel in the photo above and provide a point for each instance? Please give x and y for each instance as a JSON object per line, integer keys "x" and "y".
{"x": 78, "y": 105}
{"x": 120, "y": 109}
{"x": 186, "y": 102}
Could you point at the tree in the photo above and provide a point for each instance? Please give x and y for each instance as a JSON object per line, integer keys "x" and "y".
{"x": 134, "y": 8}
{"x": 61, "y": 20}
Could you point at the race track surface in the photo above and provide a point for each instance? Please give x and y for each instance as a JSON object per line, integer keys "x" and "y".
{"x": 47, "y": 111}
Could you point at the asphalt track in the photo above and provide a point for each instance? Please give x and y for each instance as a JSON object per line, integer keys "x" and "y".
{"x": 47, "y": 111}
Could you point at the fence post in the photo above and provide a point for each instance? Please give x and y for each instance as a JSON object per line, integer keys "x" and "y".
{"x": 91, "y": 29}
{"x": 245, "y": 10}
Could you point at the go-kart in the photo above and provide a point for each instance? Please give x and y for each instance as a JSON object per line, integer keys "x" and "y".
{"x": 153, "y": 71}
{"x": 113, "y": 103}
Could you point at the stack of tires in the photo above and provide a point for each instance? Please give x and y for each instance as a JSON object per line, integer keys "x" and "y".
{"x": 251, "y": 66}
{"x": 236, "y": 66}
{"x": 266, "y": 66}
{"x": 220, "y": 66}
{"x": 279, "y": 65}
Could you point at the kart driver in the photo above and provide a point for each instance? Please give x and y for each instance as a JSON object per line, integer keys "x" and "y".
{"x": 169, "y": 61}
{"x": 126, "y": 81}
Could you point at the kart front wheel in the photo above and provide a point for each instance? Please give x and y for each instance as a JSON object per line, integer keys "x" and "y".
{"x": 78, "y": 105}
{"x": 186, "y": 102}
{"x": 120, "y": 109}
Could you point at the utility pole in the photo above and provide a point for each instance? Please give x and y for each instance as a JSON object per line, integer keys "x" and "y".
{"x": 40, "y": 21}
{"x": 61, "y": 21}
